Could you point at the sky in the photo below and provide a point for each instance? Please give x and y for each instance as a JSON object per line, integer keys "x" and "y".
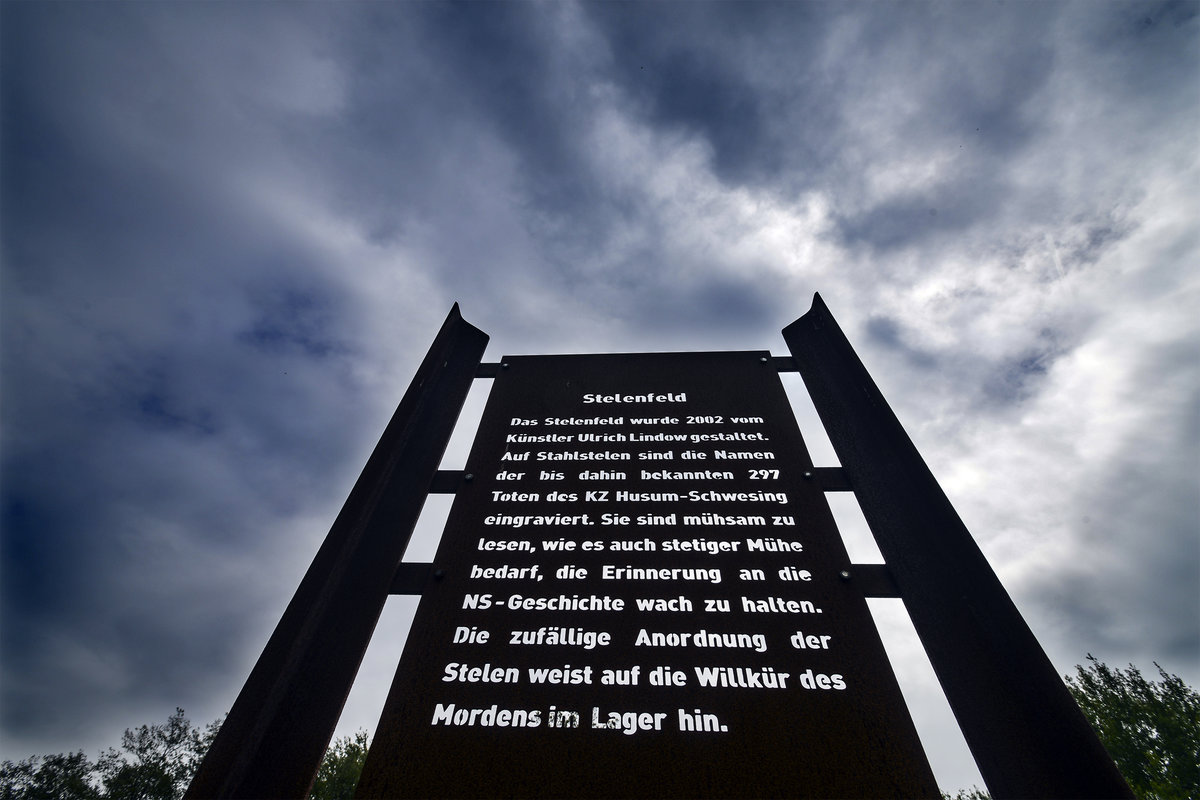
{"x": 230, "y": 231}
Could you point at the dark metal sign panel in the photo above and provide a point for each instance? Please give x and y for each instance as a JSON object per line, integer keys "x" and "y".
{"x": 639, "y": 594}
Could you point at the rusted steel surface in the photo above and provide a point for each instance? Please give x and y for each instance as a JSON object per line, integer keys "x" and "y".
{"x": 446, "y": 481}
{"x": 873, "y": 580}
{"x": 273, "y": 740}
{"x": 488, "y": 369}
{"x": 411, "y": 577}
{"x": 1028, "y": 736}
{"x": 783, "y": 363}
{"x": 830, "y": 479}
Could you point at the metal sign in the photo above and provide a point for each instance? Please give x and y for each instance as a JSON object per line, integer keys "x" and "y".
{"x": 639, "y": 593}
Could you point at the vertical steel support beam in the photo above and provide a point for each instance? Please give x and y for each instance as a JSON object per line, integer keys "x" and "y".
{"x": 273, "y": 740}
{"x": 1028, "y": 736}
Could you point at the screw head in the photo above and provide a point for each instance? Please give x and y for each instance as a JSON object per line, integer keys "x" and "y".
{"x": 808, "y": 476}
{"x": 438, "y": 574}
{"x": 468, "y": 477}
{"x": 845, "y": 574}
{"x": 504, "y": 365}
{"x": 764, "y": 359}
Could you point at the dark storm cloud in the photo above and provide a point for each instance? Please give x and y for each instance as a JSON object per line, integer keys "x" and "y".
{"x": 1149, "y": 527}
{"x": 293, "y": 320}
{"x": 1144, "y": 44}
{"x": 165, "y": 351}
{"x": 509, "y": 80}
{"x": 492, "y": 55}
{"x": 419, "y": 77}
{"x": 684, "y": 66}
{"x": 1016, "y": 378}
{"x": 720, "y": 305}
{"x": 758, "y": 82}
{"x": 888, "y": 333}
{"x": 937, "y": 211}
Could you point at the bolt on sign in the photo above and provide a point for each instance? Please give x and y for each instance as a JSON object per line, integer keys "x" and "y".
{"x": 639, "y": 594}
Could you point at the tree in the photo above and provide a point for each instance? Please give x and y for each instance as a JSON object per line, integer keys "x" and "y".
{"x": 157, "y": 762}
{"x": 974, "y": 793}
{"x": 1151, "y": 729}
{"x": 341, "y": 768}
{"x": 66, "y": 776}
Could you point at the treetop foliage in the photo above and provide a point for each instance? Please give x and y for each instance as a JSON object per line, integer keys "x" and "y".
{"x": 974, "y": 793}
{"x": 338, "y": 775}
{"x": 157, "y": 762}
{"x": 1151, "y": 729}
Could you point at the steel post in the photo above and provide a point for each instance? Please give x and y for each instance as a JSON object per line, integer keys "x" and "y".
{"x": 272, "y": 742}
{"x": 1028, "y": 736}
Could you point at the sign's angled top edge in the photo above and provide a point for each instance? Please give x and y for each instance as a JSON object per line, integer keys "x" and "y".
{"x": 816, "y": 313}
{"x": 654, "y": 354}
{"x": 455, "y": 319}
